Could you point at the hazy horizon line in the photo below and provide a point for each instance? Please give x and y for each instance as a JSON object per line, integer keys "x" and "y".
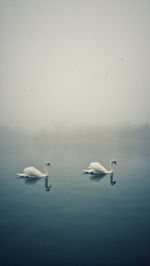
{"x": 65, "y": 127}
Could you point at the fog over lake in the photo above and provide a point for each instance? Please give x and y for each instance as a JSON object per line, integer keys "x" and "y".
{"x": 19, "y": 145}
{"x": 75, "y": 89}
{"x": 74, "y": 62}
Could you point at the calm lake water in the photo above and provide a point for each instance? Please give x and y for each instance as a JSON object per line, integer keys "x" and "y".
{"x": 74, "y": 219}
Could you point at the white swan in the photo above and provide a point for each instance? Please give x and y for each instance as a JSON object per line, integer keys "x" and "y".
{"x": 33, "y": 172}
{"x": 97, "y": 168}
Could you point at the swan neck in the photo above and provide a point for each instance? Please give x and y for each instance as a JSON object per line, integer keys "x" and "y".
{"x": 45, "y": 170}
{"x": 110, "y": 166}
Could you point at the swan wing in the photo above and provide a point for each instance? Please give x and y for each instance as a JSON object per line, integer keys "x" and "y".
{"x": 98, "y": 168}
{"x": 32, "y": 171}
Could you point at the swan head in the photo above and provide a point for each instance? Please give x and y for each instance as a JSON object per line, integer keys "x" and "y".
{"x": 114, "y": 162}
{"x": 47, "y": 163}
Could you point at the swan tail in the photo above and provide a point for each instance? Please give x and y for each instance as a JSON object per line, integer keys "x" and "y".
{"x": 22, "y": 175}
{"x": 90, "y": 171}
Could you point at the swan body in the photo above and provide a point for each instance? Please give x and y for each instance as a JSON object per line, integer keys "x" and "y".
{"x": 33, "y": 172}
{"x": 97, "y": 168}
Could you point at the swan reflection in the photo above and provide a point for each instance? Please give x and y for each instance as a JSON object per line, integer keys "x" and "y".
{"x": 47, "y": 186}
{"x": 112, "y": 181}
{"x": 99, "y": 177}
{"x": 34, "y": 180}
{"x": 31, "y": 180}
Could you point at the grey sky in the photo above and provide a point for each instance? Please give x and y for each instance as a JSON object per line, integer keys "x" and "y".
{"x": 74, "y": 62}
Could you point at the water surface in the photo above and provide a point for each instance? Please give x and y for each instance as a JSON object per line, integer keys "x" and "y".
{"x": 72, "y": 218}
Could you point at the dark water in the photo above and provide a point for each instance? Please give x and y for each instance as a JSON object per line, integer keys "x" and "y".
{"x": 72, "y": 219}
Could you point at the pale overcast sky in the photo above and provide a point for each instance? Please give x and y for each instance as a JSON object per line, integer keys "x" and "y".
{"x": 74, "y": 62}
